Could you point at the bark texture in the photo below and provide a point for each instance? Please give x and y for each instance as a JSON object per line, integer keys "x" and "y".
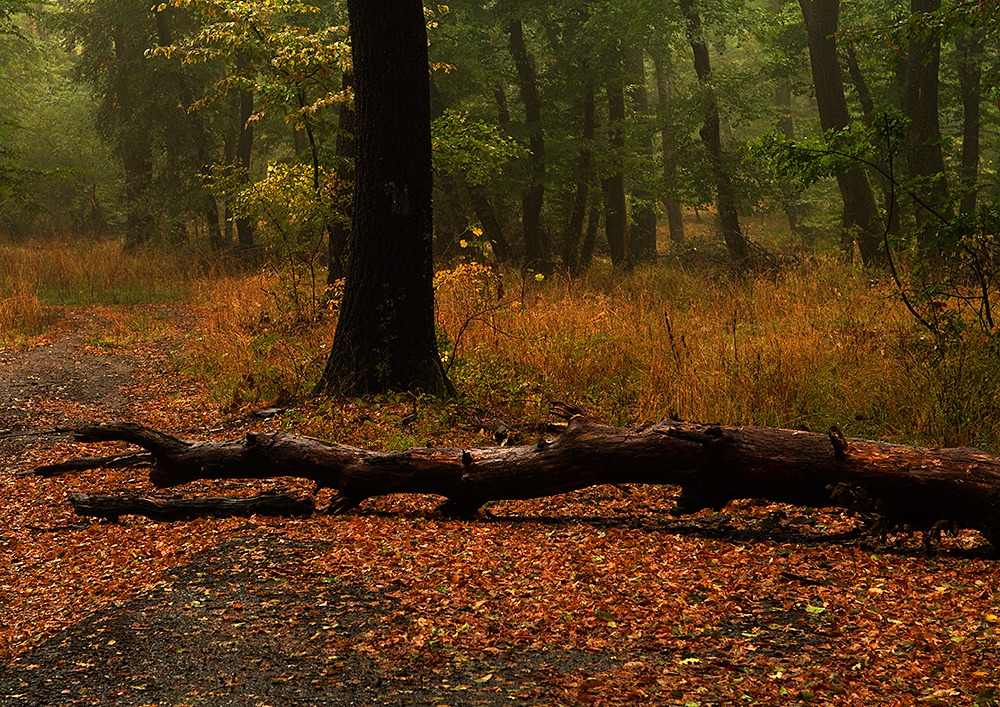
{"x": 970, "y": 78}
{"x": 923, "y": 136}
{"x": 642, "y": 236}
{"x": 385, "y": 334}
{"x": 613, "y": 185}
{"x": 675, "y": 216}
{"x": 536, "y": 246}
{"x": 712, "y": 464}
{"x": 113, "y": 507}
{"x": 574, "y": 226}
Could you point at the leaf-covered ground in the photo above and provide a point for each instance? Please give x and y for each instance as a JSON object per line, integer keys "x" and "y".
{"x": 596, "y": 598}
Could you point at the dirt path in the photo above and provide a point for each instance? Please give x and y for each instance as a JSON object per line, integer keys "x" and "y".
{"x": 60, "y": 370}
{"x": 245, "y": 622}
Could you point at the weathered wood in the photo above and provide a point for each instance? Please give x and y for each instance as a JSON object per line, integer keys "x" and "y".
{"x": 123, "y": 460}
{"x": 113, "y": 507}
{"x": 712, "y": 464}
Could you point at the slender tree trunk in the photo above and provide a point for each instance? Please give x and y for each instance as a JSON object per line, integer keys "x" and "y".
{"x": 535, "y": 241}
{"x": 490, "y": 221}
{"x": 970, "y": 72}
{"x": 725, "y": 196}
{"x": 244, "y": 151}
{"x": 861, "y": 217}
{"x": 613, "y": 185}
{"x": 133, "y": 149}
{"x": 783, "y": 103}
{"x": 675, "y": 216}
{"x": 137, "y": 164}
{"x": 338, "y": 232}
{"x": 385, "y": 334}
{"x": 642, "y": 236}
{"x": 590, "y": 238}
{"x": 574, "y": 227}
{"x": 891, "y": 200}
{"x": 923, "y": 136}
{"x": 195, "y": 125}
{"x": 860, "y": 84}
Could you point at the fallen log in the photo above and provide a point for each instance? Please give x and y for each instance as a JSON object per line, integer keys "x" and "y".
{"x": 925, "y": 489}
{"x": 167, "y": 509}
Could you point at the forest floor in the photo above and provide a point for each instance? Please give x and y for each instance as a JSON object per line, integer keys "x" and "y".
{"x": 598, "y": 597}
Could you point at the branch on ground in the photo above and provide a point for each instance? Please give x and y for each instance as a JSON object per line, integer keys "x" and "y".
{"x": 713, "y": 465}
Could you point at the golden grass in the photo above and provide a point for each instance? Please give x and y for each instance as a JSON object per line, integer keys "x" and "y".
{"x": 250, "y": 347}
{"x": 816, "y": 345}
{"x": 98, "y": 272}
{"x": 21, "y": 317}
{"x": 809, "y": 346}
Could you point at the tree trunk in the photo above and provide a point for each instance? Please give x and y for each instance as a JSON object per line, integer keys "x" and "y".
{"x": 642, "y": 235}
{"x": 338, "y": 232}
{"x": 786, "y": 124}
{"x": 970, "y": 73}
{"x": 590, "y": 237}
{"x": 535, "y": 242}
{"x": 385, "y": 334}
{"x": 194, "y": 124}
{"x": 574, "y": 226}
{"x": 861, "y": 217}
{"x": 133, "y": 147}
{"x": 244, "y": 151}
{"x": 613, "y": 185}
{"x": 712, "y": 464}
{"x": 890, "y": 201}
{"x": 675, "y": 216}
{"x": 167, "y": 509}
{"x": 725, "y": 196}
{"x": 923, "y": 136}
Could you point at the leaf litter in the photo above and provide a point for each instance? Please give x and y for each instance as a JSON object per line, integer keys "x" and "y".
{"x": 590, "y": 598}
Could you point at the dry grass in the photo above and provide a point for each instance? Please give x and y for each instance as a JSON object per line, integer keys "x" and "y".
{"x": 809, "y": 346}
{"x": 98, "y": 272}
{"x": 252, "y": 347}
{"x": 21, "y": 317}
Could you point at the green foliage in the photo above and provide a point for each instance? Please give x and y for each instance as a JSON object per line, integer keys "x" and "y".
{"x": 293, "y": 215}
{"x": 289, "y": 54}
{"x": 470, "y": 149}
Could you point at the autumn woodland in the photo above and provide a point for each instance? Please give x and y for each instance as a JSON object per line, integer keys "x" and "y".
{"x": 625, "y": 352}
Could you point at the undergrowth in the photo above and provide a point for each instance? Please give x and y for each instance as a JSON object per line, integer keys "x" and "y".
{"x": 807, "y": 347}
{"x": 96, "y": 272}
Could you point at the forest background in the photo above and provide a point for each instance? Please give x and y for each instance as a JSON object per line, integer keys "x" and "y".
{"x": 648, "y": 208}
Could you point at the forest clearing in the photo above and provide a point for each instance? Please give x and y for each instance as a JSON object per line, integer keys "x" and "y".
{"x": 598, "y": 596}
{"x": 619, "y": 353}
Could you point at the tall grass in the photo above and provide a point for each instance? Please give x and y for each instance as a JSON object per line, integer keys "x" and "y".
{"x": 98, "y": 272}
{"x": 254, "y": 345}
{"x": 808, "y": 347}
